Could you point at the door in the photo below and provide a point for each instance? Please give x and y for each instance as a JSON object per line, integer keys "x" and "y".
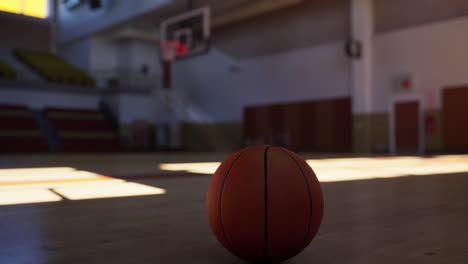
{"x": 455, "y": 119}
{"x": 406, "y": 127}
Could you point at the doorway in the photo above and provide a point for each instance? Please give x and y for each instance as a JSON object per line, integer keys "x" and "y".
{"x": 455, "y": 119}
{"x": 406, "y": 127}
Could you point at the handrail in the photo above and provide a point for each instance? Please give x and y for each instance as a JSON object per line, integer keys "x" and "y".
{"x": 126, "y": 78}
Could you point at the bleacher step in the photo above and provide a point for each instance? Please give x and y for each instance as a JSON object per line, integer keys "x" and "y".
{"x": 48, "y": 130}
{"x": 23, "y": 72}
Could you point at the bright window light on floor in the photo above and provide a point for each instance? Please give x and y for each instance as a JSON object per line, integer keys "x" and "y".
{"x": 123, "y": 189}
{"x": 36, "y": 171}
{"x": 38, "y": 185}
{"x": 31, "y": 175}
{"x": 347, "y": 169}
{"x": 10, "y": 197}
{"x": 331, "y": 170}
{"x": 199, "y": 167}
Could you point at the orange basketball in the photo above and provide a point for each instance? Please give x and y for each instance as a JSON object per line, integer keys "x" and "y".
{"x": 264, "y": 204}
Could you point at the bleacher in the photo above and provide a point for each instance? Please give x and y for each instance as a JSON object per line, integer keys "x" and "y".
{"x": 83, "y": 130}
{"x": 6, "y": 71}
{"x": 53, "y": 68}
{"x": 19, "y": 131}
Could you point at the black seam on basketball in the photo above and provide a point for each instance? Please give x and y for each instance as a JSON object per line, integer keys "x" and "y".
{"x": 265, "y": 176}
{"x": 310, "y": 196}
{"x": 221, "y": 196}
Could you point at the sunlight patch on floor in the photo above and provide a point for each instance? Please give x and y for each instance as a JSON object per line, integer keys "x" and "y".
{"x": 345, "y": 169}
{"x": 27, "y": 196}
{"x": 39, "y": 185}
{"x": 43, "y": 175}
{"x": 123, "y": 189}
{"x": 331, "y": 170}
{"x": 198, "y": 167}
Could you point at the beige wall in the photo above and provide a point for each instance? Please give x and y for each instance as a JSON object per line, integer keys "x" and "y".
{"x": 371, "y": 133}
{"x": 398, "y": 14}
{"x": 433, "y": 139}
{"x": 299, "y": 26}
{"x": 212, "y": 137}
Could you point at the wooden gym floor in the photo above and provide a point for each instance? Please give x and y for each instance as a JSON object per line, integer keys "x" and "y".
{"x": 150, "y": 208}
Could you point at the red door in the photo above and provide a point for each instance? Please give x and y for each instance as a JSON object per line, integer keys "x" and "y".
{"x": 455, "y": 119}
{"x": 406, "y": 126}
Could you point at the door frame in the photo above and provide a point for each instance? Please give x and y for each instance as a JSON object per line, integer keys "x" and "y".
{"x": 391, "y": 113}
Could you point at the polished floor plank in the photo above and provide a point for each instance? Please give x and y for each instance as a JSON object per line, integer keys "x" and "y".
{"x": 414, "y": 219}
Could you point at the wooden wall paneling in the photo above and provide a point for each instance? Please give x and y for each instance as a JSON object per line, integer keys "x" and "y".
{"x": 263, "y": 125}
{"x": 292, "y": 124}
{"x": 342, "y": 125}
{"x": 324, "y": 125}
{"x": 249, "y": 126}
{"x": 308, "y": 126}
{"x": 308, "y": 133}
{"x": 455, "y": 118}
{"x": 277, "y": 122}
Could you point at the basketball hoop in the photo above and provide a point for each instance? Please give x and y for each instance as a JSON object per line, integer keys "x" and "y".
{"x": 170, "y": 49}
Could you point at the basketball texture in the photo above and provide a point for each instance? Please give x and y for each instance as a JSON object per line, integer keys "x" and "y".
{"x": 264, "y": 204}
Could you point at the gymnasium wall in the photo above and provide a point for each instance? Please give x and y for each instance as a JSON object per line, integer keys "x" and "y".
{"x": 19, "y": 31}
{"x": 108, "y": 53}
{"x": 294, "y": 54}
{"x": 221, "y": 87}
{"x": 399, "y": 14}
{"x": 109, "y": 57}
{"x": 130, "y": 107}
{"x": 77, "y": 53}
{"x": 431, "y": 46}
{"x": 434, "y": 54}
{"x": 221, "y": 136}
{"x": 139, "y": 107}
{"x": 145, "y": 53}
{"x": 297, "y": 27}
{"x": 103, "y": 53}
{"x": 317, "y": 72}
{"x": 320, "y": 72}
{"x": 40, "y": 99}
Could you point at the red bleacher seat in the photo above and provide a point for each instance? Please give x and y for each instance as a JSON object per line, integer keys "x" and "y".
{"x": 17, "y": 123}
{"x": 23, "y": 144}
{"x": 19, "y": 131}
{"x": 90, "y": 145}
{"x": 81, "y": 125}
{"x": 83, "y": 130}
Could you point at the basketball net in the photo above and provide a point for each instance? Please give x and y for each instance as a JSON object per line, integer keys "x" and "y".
{"x": 170, "y": 49}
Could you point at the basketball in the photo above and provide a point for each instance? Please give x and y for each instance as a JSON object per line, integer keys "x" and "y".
{"x": 264, "y": 204}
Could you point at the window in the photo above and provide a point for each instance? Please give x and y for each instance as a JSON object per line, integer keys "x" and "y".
{"x": 35, "y": 8}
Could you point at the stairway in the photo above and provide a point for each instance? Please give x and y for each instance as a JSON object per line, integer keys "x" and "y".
{"x": 48, "y": 131}
{"x": 23, "y": 72}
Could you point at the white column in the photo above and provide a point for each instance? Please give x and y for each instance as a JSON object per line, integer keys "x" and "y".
{"x": 362, "y": 30}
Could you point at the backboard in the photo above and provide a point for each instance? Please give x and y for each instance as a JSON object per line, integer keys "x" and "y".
{"x": 192, "y": 29}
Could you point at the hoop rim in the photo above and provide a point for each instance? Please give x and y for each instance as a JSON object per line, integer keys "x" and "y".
{"x": 170, "y": 49}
